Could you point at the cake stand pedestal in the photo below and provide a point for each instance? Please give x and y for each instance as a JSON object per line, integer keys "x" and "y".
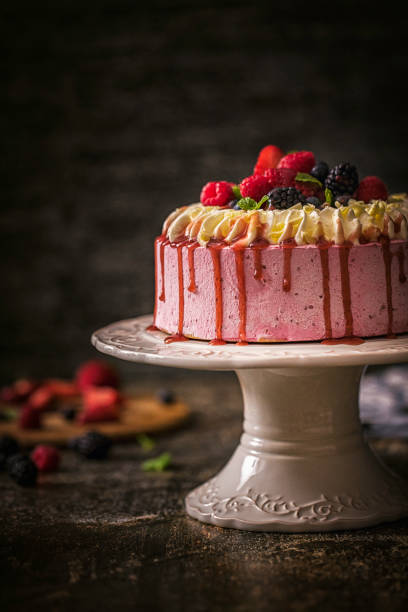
{"x": 302, "y": 463}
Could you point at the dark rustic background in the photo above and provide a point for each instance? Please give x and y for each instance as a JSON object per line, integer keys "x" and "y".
{"x": 114, "y": 113}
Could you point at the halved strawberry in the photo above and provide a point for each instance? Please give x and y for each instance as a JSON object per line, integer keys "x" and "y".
{"x": 268, "y": 158}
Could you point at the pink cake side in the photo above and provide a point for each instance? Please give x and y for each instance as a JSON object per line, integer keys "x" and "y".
{"x": 300, "y": 293}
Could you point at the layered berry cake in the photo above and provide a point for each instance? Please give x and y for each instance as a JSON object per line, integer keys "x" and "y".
{"x": 297, "y": 251}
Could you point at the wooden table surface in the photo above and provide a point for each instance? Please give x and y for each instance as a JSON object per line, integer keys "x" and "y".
{"x": 105, "y": 535}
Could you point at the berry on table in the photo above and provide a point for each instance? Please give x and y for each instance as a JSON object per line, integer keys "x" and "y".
{"x": 301, "y": 161}
{"x": 96, "y": 374}
{"x": 320, "y": 171}
{"x": 22, "y": 470}
{"x": 69, "y": 413}
{"x": 8, "y": 446}
{"x": 254, "y": 186}
{"x": 42, "y": 399}
{"x": 216, "y": 193}
{"x": 371, "y": 188}
{"x": 29, "y": 418}
{"x": 92, "y": 445}
{"x": 342, "y": 179}
{"x": 285, "y": 197}
{"x": 165, "y": 396}
{"x": 268, "y": 157}
{"x": 46, "y": 458}
{"x": 100, "y": 404}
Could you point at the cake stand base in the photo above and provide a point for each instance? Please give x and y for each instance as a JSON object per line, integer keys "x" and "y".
{"x": 302, "y": 463}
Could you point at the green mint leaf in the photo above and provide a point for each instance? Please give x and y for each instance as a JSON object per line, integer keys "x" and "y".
{"x": 292, "y": 151}
{"x": 307, "y": 178}
{"x": 262, "y": 200}
{"x": 247, "y": 204}
{"x": 236, "y": 191}
{"x": 157, "y": 464}
{"x": 146, "y": 442}
{"x": 328, "y": 195}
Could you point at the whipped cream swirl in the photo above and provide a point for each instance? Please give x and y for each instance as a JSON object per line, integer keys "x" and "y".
{"x": 354, "y": 223}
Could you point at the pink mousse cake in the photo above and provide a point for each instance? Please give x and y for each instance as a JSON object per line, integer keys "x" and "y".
{"x": 279, "y": 259}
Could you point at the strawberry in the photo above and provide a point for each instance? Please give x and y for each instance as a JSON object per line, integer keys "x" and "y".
{"x": 280, "y": 177}
{"x": 100, "y": 404}
{"x": 96, "y": 374}
{"x": 371, "y": 188}
{"x": 268, "y": 158}
{"x": 99, "y": 414}
{"x": 42, "y": 398}
{"x": 63, "y": 389}
{"x": 301, "y": 161}
{"x": 46, "y": 458}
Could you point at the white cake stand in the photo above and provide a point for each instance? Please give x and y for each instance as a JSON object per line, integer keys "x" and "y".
{"x": 302, "y": 463}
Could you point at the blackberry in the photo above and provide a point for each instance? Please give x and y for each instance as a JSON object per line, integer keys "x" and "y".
{"x": 284, "y": 197}
{"x": 22, "y": 470}
{"x": 92, "y": 445}
{"x": 342, "y": 179}
{"x": 320, "y": 171}
{"x": 165, "y": 396}
{"x": 8, "y": 446}
{"x": 313, "y": 200}
{"x": 233, "y": 204}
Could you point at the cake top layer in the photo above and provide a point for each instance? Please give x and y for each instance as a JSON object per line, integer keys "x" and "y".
{"x": 293, "y": 197}
{"x": 355, "y": 223}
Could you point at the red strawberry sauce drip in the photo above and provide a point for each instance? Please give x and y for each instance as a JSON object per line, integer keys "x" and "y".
{"x": 324, "y": 260}
{"x": 215, "y": 254}
{"x": 190, "y": 249}
{"x": 162, "y": 241}
{"x": 352, "y": 341}
{"x": 344, "y": 252}
{"x": 152, "y": 328}
{"x": 239, "y": 264}
{"x": 179, "y": 337}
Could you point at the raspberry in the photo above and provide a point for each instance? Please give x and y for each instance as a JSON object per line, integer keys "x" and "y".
{"x": 280, "y": 177}
{"x": 268, "y": 158}
{"x": 22, "y": 470}
{"x": 46, "y": 458}
{"x": 343, "y": 178}
{"x": 92, "y": 445}
{"x": 96, "y": 374}
{"x": 29, "y": 418}
{"x": 216, "y": 193}
{"x": 285, "y": 197}
{"x": 301, "y": 161}
{"x": 254, "y": 186}
{"x": 371, "y": 188}
{"x": 8, "y": 446}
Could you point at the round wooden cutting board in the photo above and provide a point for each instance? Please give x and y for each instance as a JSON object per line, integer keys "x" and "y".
{"x": 139, "y": 414}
